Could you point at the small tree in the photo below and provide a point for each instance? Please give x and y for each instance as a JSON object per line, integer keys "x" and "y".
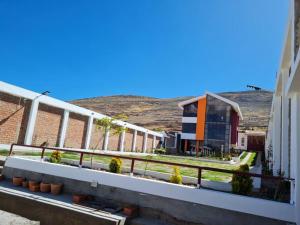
{"x": 242, "y": 184}
{"x": 106, "y": 124}
{"x": 176, "y": 177}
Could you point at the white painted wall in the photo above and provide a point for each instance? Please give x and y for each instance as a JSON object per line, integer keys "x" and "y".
{"x": 239, "y": 143}
{"x": 260, "y": 207}
{"x": 188, "y": 136}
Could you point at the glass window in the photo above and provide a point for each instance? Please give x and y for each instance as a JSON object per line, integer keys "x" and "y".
{"x": 243, "y": 141}
{"x": 190, "y": 110}
{"x": 216, "y": 131}
{"x": 189, "y": 128}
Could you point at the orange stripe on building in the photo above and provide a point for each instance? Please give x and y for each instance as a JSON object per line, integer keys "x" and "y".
{"x": 201, "y": 115}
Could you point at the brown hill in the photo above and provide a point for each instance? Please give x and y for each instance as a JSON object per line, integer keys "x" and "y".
{"x": 165, "y": 113}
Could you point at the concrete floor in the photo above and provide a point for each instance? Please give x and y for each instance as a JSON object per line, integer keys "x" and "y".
{"x": 7, "y": 218}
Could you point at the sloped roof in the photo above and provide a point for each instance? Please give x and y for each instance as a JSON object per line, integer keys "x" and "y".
{"x": 234, "y": 105}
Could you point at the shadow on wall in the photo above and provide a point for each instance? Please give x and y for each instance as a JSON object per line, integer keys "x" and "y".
{"x": 22, "y": 106}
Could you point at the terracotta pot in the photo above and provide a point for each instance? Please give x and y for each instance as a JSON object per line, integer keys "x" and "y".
{"x": 34, "y": 188}
{"x": 78, "y": 198}
{"x": 17, "y": 181}
{"x": 25, "y": 184}
{"x": 32, "y": 183}
{"x": 131, "y": 211}
{"x": 45, "y": 187}
{"x": 56, "y": 189}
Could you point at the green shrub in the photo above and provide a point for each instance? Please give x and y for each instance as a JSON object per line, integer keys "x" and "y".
{"x": 242, "y": 184}
{"x": 115, "y": 165}
{"x": 176, "y": 178}
{"x": 160, "y": 151}
{"x": 55, "y": 157}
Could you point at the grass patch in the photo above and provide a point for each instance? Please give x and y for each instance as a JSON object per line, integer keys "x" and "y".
{"x": 252, "y": 159}
{"x": 244, "y": 154}
{"x": 210, "y": 175}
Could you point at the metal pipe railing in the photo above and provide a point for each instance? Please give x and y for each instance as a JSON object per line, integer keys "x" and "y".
{"x": 133, "y": 159}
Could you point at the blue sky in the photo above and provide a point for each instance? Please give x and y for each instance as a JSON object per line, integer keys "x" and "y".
{"x": 159, "y": 48}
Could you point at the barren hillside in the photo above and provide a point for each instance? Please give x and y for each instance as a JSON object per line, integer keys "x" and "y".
{"x": 164, "y": 113}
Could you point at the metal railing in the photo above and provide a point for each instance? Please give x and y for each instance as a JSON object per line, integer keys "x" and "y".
{"x": 134, "y": 159}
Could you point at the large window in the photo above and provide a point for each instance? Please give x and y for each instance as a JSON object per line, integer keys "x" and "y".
{"x": 189, "y": 128}
{"x": 216, "y": 131}
{"x": 190, "y": 110}
{"x": 217, "y": 127}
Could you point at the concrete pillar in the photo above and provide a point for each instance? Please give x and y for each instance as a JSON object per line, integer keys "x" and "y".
{"x": 277, "y": 135}
{"x": 285, "y": 127}
{"x": 154, "y": 142}
{"x": 31, "y": 122}
{"x": 89, "y": 132}
{"x": 63, "y": 130}
{"x": 295, "y": 153}
{"x": 106, "y": 140}
{"x": 145, "y": 142}
{"x": 122, "y": 140}
{"x": 134, "y": 141}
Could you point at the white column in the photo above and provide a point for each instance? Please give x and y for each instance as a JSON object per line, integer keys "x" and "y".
{"x": 276, "y": 135}
{"x": 106, "y": 140}
{"x": 134, "y": 141}
{"x": 153, "y": 142}
{"x": 145, "y": 142}
{"x": 295, "y": 153}
{"x": 63, "y": 130}
{"x": 31, "y": 122}
{"x": 89, "y": 132}
{"x": 122, "y": 141}
{"x": 285, "y": 127}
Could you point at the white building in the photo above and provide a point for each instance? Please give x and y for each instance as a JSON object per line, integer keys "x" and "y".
{"x": 283, "y": 138}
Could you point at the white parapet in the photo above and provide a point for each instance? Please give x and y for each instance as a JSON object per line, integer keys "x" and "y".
{"x": 244, "y": 204}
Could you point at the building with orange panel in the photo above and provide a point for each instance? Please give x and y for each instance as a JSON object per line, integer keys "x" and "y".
{"x": 209, "y": 123}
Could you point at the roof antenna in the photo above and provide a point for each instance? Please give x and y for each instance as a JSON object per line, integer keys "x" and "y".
{"x": 254, "y": 87}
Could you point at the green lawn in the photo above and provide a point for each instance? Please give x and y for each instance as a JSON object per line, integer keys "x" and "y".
{"x": 210, "y": 175}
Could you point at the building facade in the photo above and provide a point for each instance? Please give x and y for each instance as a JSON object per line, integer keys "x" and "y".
{"x": 209, "y": 121}
{"x": 283, "y": 137}
{"x": 251, "y": 140}
{"x": 31, "y": 118}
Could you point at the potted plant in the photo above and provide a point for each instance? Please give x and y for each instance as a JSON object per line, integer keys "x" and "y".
{"x": 45, "y": 187}
{"x": 55, "y": 157}
{"x": 176, "y": 177}
{"x": 56, "y": 189}
{"x": 131, "y": 211}
{"x": 78, "y": 198}
{"x": 115, "y": 165}
{"x": 34, "y": 186}
{"x": 25, "y": 183}
{"x": 17, "y": 181}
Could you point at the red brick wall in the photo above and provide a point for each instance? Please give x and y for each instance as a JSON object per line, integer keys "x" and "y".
{"x": 47, "y": 126}
{"x": 113, "y": 143}
{"x": 139, "y": 141}
{"x": 76, "y": 132}
{"x": 14, "y": 112}
{"x": 128, "y": 140}
{"x": 149, "y": 143}
{"x": 97, "y": 138}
